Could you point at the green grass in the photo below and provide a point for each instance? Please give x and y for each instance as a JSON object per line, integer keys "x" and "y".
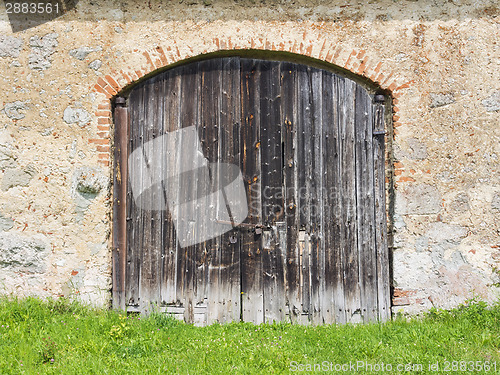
{"x": 63, "y": 337}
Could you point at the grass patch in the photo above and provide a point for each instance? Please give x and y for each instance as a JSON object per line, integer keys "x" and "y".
{"x": 64, "y": 337}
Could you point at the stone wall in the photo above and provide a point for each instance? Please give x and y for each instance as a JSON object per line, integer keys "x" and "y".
{"x": 439, "y": 62}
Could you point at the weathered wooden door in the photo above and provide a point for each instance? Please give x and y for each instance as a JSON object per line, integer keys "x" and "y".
{"x": 308, "y": 145}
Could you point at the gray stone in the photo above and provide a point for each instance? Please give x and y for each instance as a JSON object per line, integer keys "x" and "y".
{"x": 72, "y": 149}
{"x": 17, "y": 177}
{"x": 89, "y": 181}
{"x": 10, "y": 46}
{"x": 76, "y": 115}
{"x": 492, "y": 102}
{"x": 82, "y": 52}
{"x": 419, "y": 199}
{"x": 460, "y": 203}
{"x": 95, "y": 65}
{"x": 7, "y": 158}
{"x": 12, "y": 110}
{"x": 22, "y": 254}
{"x": 6, "y": 223}
{"x": 41, "y": 51}
{"x": 495, "y": 203}
{"x": 421, "y": 243}
{"x": 440, "y": 100}
{"x": 440, "y": 232}
{"x": 418, "y": 150}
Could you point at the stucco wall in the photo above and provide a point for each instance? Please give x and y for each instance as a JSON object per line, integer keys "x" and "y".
{"x": 439, "y": 62}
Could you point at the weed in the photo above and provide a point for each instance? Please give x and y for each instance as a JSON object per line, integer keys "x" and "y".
{"x": 48, "y": 350}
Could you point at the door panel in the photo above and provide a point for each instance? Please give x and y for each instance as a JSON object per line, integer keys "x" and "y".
{"x": 313, "y": 245}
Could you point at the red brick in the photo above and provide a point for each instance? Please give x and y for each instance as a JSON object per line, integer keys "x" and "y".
{"x": 103, "y": 113}
{"x": 103, "y": 134}
{"x": 148, "y": 58}
{"x": 329, "y": 56}
{"x": 322, "y": 50}
{"x": 309, "y": 50}
{"x": 103, "y": 148}
{"x": 406, "y": 179}
{"x": 337, "y": 52}
{"x": 99, "y": 141}
{"x": 98, "y": 88}
{"x": 106, "y": 105}
{"x": 103, "y": 127}
{"x": 402, "y": 301}
{"x": 104, "y": 162}
{"x": 103, "y": 156}
{"x": 103, "y": 120}
{"x": 112, "y": 82}
{"x": 163, "y": 57}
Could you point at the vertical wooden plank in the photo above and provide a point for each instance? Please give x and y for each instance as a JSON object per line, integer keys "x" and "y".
{"x": 304, "y": 145}
{"x": 348, "y": 156}
{"x": 304, "y": 239}
{"x": 158, "y": 198}
{"x": 147, "y": 270}
{"x": 365, "y": 202}
{"x": 305, "y": 179}
{"x": 271, "y": 145}
{"x": 317, "y": 270}
{"x": 229, "y": 307}
{"x": 382, "y": 262}
{"x": 272, "y": 195}
{"x": 120, "y": 178}
{"x": 289, "y": 134}
{"x": 207, "y": 272}
{"x": 251, "y": 256}
{"x": 134, "y": 225}
{"x": 190, "y": 108}
{"x": 333, "y": 302}
{"x": 171, "y": 89}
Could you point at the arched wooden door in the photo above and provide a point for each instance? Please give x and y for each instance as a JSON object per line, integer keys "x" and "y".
{"x": 309, "y": 144}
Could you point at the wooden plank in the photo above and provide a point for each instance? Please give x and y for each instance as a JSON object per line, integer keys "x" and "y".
{"x": 207, "y": 276}
{"x": 333, "y": 303}
{"x": 383, "y": 287}
{"x": 229, "y": 306}
{"x": 190, "y": 107}
{"x": 120, "y": 178}
{"x": 134, "y": 227}
{"x": 346, "y": 90}
{"x": 304, "y": 146}
{"x": 271, "y": 144}
{"x": 365, "y": 203}
{"x": 304, "y": 244}
{"x": 317, "y": 259}
{"x": 146, "y": 249}
{"x": 251, "y": 256}
{"x": 304, "y": 179}
{"x": 154, "y": 262}
{"x": 171, "y": 249}
{"x": 272, "y": 184}
{"x": 289, "y": 135}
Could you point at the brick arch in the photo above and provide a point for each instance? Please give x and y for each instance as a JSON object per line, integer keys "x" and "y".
{"x": 155, "y": 59}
